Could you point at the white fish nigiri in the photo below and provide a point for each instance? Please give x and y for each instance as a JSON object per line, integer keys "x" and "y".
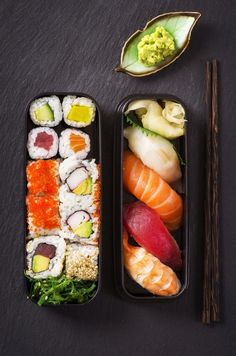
{"x": 155, "y": 152}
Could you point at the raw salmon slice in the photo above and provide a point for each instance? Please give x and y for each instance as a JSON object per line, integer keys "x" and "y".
{"x": 77, "y": 142}
{"x": 147, "y": 186}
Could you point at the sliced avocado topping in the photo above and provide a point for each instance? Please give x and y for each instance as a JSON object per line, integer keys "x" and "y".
{"x": 84, "y": 188}
{"x": 40, "y": 263}
{"x": 44, "y": 113}
{"x": 84, "y": 229}
{"x": 79, "y": 113}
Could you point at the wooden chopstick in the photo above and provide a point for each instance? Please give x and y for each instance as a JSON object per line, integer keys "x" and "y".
{"x": 211, "y": 282}
{"x": 206, "y": 314}
{"x": 215, "y": 197}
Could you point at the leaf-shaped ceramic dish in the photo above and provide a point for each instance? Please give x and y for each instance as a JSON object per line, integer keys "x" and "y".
{"x": 178, "y": 24}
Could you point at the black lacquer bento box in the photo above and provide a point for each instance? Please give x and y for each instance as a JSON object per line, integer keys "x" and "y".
{"x": 94, "y": 132}
{"x": 126, "y": 286}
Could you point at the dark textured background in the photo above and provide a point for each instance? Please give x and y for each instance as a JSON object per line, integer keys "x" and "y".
{"x": 73, "y": 46}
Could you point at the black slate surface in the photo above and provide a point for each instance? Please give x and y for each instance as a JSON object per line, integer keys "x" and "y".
{"x": 73, "y": 46}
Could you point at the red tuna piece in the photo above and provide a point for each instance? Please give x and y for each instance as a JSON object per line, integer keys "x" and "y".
{"x": 46, "y": 250}
{"x": 43, "y": 140}
{"x": 147, "y": 229}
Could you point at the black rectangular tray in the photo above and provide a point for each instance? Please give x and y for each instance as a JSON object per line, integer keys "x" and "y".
{"x": 126, "y": 287}
{"x": 94, "y": 131}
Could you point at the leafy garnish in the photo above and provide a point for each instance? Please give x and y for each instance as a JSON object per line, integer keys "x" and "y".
{"x": 181, "y": 161}
{"x": 180, "y": 158}
{"x": 61, "y": 290}
{"x": 133, "y": 121}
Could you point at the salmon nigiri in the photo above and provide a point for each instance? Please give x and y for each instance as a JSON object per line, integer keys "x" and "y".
{"x": 147, "y": 186}
{"x": 149, "y": 271}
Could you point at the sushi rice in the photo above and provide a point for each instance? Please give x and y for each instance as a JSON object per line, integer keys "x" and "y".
{"x": 66, "y": 150}
{"x": 56, "y": 263}
{"x": 68, "y": 166}
{"x": 81, "y": 262}
{"x": 66, "y": 196}
{"x": 70, "y": 101}
{"x": 36, "y": 152}
{"x": 71, "y": 163}
{"x": 54, "y": 104}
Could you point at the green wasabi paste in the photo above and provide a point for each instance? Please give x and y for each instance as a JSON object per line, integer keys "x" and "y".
{"x": 155, "y": 47}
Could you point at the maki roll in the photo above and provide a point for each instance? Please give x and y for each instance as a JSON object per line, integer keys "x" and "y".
{"x": 78, "y": 111}
{"x": 81, "y": 262}
{"x": 80, "y": 180}
{"x": 80, "y": 224}
{"x": 42, "y": 177}
{"x": 74, "y": 141}
{"x": 43, "y": 215}
{"x": 42, "y": 143}
{"x": 45, "y": 256}
{"x": 46, "y": 111}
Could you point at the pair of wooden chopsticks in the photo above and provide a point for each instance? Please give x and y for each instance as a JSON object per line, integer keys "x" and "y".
{"x": 211, "y": 286}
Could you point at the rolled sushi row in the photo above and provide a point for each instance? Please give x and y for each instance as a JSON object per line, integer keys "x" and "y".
{"x": 75, "y": 111}
{"x": 63, "y": 219}
{"x": 43, "y": 143}
{"x": 50, "y": 256}
{"x": 63, "y": 200}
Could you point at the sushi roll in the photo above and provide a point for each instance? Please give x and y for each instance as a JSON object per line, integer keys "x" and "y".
{"x": 43, "y": 215}
{"x": 45, "y": 256}
{"x": 78, "y": 112}
{"x": 42, "y": 143}
{"x": 46, "y": 111}
{"x": 80, "y": 178}
{"x": 81, "y": 262}
{"x": 42, "y": 177}
{"x": 74, "y": 141}
{"x": 80, "y": 224}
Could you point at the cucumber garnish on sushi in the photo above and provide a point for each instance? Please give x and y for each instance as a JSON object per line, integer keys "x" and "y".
{"x": 46, "y": 111}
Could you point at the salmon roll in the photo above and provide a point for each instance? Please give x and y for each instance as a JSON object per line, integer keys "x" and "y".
{"x": 42, "y": 143}
{"x": 43, "y": 215}
{"x": 45, "y": 256}
{"x": 74, "y": 141}
{"x": 46, "y": 111}
{"x": 78, "y": 111}
{"x": 81, "y": 262}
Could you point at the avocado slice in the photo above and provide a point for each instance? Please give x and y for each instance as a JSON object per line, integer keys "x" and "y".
{"x": 84, "y": 188}
{"x": 79, "y": 113}
{"x": 40, "y": 263}
{"x": 44, "y": 113}
{"x": 84, "y": 229}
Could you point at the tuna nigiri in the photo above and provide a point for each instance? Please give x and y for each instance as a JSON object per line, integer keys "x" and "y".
{"x": 147, "y": 229}
{"x": 148, "y": 271}
{"x": 147, "y": 186}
